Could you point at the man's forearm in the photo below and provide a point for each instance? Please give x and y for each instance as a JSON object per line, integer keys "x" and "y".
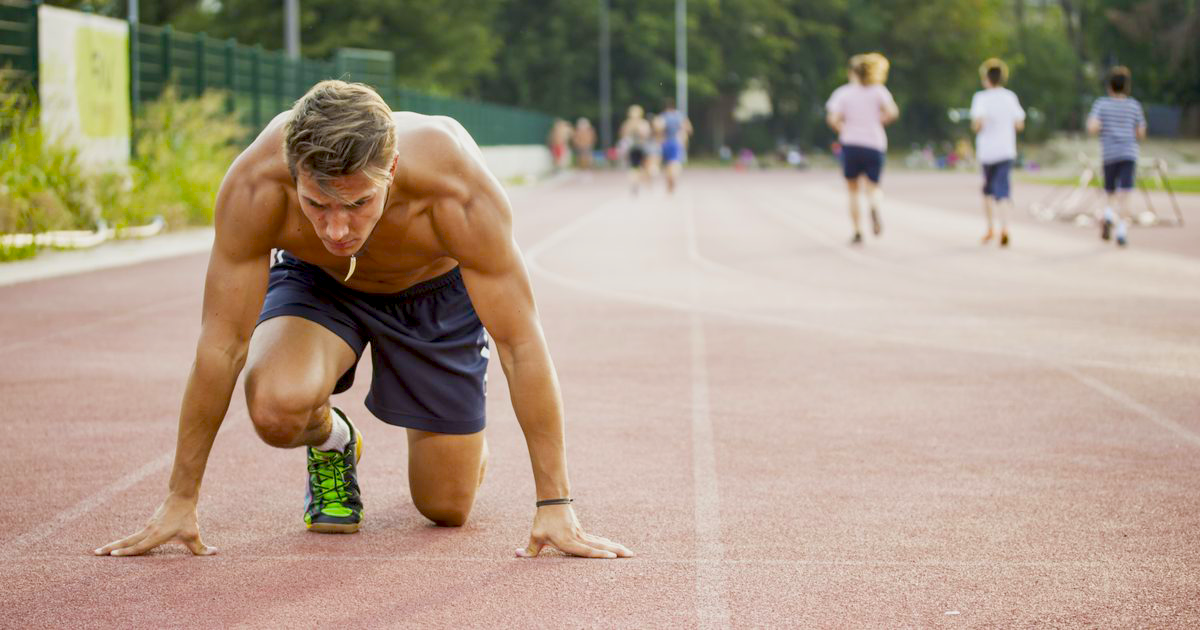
{"x": 537, "y": 402}
{"x": 205, "y": 402}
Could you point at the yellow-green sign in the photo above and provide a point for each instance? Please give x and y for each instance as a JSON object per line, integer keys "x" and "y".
{"x": 102, "y": 82}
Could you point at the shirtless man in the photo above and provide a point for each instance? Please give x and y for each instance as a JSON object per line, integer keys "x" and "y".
{"x": 357, "y": 225}
{"x": 636, "y": 135}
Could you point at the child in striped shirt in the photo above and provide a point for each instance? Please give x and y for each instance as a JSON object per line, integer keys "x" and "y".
{"x": 1119, "y": 121}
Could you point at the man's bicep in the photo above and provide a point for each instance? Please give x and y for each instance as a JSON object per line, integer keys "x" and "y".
{"x": 238, "y": 267}
{"x": 503, "y": 298}
{"x": 233, "y": 295}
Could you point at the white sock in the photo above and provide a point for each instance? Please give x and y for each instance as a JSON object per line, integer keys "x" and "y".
{"x": 1108, "y": 215}
{"x": 339, "y": 435}
{"x": 1121, "y": 228}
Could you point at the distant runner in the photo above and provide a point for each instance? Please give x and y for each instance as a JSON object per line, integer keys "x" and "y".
{"x": 996, "y": 117}
{"x": 635, "y": 136}
{"x": 858, "y": 112}
{"x": 1119, "y": 121}
{"x": 676, "y": 129}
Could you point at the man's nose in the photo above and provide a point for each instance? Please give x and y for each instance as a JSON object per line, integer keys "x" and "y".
{"x": 337, "y": 226}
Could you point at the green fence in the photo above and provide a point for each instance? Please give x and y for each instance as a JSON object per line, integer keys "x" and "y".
{"x": 261, "y": 83}
{"x": 18, "y": 42}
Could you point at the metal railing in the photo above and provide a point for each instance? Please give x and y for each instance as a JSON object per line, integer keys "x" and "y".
{"x": 261, "y": 83}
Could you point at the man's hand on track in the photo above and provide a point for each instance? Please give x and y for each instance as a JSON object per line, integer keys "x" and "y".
{"x": 175, "y": 521}
{"x": 556, "y": 526}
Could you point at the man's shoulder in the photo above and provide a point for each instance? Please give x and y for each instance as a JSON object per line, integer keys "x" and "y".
{"x": 430, "y": 126}
{"x": 262, "y": 164}
{"x": 253, "y": 195}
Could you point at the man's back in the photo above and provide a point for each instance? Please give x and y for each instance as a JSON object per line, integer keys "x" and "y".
{"x": 1120, "y": 118}
{"x": 999, "y": 111}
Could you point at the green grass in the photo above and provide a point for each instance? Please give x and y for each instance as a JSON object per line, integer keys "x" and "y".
{"x": 17, "y": 252}
{"x": 1178, "y": 183}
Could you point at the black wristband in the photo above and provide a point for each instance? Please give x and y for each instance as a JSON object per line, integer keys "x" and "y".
{"x": 545, "y": 502}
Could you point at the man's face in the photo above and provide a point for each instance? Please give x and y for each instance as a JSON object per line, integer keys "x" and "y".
{"x": 342, "y": 224}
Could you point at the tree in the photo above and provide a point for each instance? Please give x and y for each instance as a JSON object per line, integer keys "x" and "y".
{"x": 444, "y": 45}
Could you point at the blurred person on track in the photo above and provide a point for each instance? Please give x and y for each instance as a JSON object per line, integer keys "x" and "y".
{"x": 560, "y": 136}
{"x": 996, "y": 117}
{"x": 675, "y": 130}
{"x": 346, "y": 224}
{"x": 857, "y": 112}
{"x": 635, "y": 136}
{"x": 584, "y": 142}
{"x": 1120, "y": 122}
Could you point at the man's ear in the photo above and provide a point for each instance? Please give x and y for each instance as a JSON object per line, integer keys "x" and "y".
{"x": 395, "y": 161}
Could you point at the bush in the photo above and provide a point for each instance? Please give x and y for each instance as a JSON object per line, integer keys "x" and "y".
{"x": 183, "y": 148}
{"x": 42, "y": 186}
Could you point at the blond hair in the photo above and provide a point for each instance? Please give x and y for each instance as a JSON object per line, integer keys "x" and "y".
{"x": 870, "y": 68}
{"x": 996, "y": 64}
{"x": 339, "y": 129}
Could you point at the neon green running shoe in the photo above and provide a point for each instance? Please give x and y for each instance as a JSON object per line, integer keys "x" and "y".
{"x": 333, "y": 504}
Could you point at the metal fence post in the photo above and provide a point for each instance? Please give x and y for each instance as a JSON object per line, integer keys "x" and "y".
{"x": 33, "y": 47}
{"x": 201, "y": 83}
{"x": 255, "y": 84}
{"x": 230, "y": 46}
{"x": 166, "y": 54}
{"x": 279, "y": 59}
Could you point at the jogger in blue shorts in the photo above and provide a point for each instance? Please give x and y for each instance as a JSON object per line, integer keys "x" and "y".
{"x": 996, "y": 117}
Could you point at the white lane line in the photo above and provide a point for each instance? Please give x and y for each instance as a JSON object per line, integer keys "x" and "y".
{"x": 710, "y": 552}
{"x": 104, "y": 495}
{"x": 100, "y": 323}
{"x": 1133, "y": 405}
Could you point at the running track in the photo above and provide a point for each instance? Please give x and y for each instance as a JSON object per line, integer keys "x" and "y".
{"x": 788, "y": 431}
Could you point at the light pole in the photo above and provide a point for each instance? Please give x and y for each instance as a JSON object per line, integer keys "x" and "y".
{"x": 605, "y": 79}
{"x": 681, "y": 79}
{"x": 291, "y": 27}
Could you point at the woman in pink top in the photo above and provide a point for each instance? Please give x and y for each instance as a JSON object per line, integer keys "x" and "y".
{"x": 858, "y": 111}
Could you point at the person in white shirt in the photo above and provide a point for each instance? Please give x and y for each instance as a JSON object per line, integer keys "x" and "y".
{"x": 996, "y": 117}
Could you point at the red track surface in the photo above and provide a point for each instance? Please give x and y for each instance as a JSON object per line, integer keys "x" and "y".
{"x": 789, "y": 432}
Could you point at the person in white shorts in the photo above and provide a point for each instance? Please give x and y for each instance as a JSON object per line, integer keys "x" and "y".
{"x": 996, "y": 117}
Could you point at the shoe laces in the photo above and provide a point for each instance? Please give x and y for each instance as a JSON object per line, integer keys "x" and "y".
{"x": 327, "y": 470}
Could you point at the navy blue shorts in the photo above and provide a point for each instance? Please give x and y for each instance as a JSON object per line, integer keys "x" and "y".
{"x": 672, "y": 151}
{"x": 996, "y": 180}
{"x": 1119, "y": 174}
{"x": 429, "y": 350}
{"x": 862, "y": 160}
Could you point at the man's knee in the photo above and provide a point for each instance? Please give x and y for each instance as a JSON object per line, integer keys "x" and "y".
{"x": 280, "y": 410}
{"x": 450, "y": 511}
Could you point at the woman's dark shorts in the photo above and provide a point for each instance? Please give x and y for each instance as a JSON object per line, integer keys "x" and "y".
{"x": 996, "y": 179}
{"x": 429, "y": 351}
{"x": 637, "y": 155}
{"x": 858, "y": 160}
{"x": 1119, "y": 174}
